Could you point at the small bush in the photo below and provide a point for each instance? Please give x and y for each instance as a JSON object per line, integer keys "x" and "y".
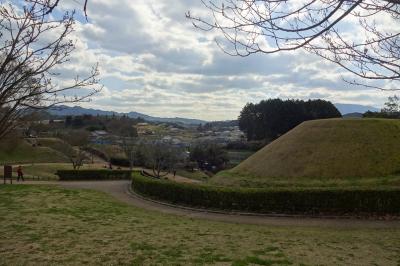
{"x": 119, "y": 161}
{"x": 101, "y": 174}
{"x": 288, "y": 200}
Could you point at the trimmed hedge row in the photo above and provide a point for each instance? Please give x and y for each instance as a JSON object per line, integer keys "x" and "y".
{"x": 100, "y": 174}
{"x": 289, "y": 200}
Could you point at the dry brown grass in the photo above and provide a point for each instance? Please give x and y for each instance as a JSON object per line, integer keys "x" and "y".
{"x": 327, "y": 150}
{"x": 43, "y": 225}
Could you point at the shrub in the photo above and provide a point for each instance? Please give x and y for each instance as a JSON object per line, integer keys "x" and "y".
{"x": 119, "y": 161}
{"x": 288, "y": 200}
{"x": 101, "y": 174}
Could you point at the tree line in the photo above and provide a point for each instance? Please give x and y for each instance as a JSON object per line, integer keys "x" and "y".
{"x": 269, "y": 119}
{"x": 391, "y": 109}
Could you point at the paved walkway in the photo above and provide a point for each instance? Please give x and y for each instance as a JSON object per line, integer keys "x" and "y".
{"x": 120, "y": 191}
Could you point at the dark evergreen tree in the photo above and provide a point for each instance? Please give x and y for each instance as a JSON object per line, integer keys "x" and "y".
{"x": 272, "y": 118}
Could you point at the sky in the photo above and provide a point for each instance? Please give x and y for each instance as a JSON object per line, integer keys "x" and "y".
{"x": 152, "y": 60}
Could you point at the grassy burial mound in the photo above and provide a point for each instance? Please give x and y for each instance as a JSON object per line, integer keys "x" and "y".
{"x": 325, "y": 152}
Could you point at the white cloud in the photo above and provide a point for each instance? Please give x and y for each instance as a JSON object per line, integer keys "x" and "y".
{"x": 152, "y": 60}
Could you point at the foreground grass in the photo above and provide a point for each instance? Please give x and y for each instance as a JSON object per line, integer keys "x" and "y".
{"x": 49, "y": 225}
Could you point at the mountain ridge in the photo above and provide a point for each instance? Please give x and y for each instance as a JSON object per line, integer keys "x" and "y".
{"x": 345, "y": 108}
{"x": 64, "y": 110}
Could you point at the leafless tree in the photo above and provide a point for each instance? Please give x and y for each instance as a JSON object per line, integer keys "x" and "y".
{"x": 163, "y": 157}
{"x": 74, "y": 146}
{"x": 124, "y": 128}
{"x": 53, "y": 4}
{"x": 34, "y": 42}
{"x": 128, "y": 145}
{"x": 361, "y": 36}
{"x": 392, "y": 106}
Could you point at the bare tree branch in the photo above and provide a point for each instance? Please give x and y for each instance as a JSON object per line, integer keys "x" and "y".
{"x": 318, "y": 26}
{"x": 33, "y": 43}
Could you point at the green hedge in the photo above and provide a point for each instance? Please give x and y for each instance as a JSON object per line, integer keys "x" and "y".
{"x": 289, "y": 200}
{"x": 101, "y": 174}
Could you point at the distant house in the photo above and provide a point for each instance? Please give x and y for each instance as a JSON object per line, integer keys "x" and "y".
{"x": 176, "y": 141}
{"x": 57, "y": 121}
{"x": 166, "y": 139}
{"x": 230, "y": 134}
{"x": 142, "y": 124}
{"x": 99, "y": 133}
{"x": 44, "y": 122}
{"x": 146, "y": 132}
{"x": 144, "y": 129}
{"x": 100, "y": 137}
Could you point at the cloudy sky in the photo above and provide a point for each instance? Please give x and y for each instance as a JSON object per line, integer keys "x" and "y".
{"x": 152, "y": 60}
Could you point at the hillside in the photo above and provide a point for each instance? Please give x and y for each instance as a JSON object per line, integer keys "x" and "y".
{"x": 23, "y": 152}
{"x": 353, "y": 151}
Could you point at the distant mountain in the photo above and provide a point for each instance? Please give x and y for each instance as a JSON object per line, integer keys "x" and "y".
{"x": 225, "y": 123}
{"x": 77, "y": 110}
{"x": 353, "y": 115}
{"x": 354, "y": 108}
{"x": 63, "y": 110}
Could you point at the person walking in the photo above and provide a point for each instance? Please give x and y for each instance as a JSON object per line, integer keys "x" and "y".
{"x": 20, "y": 174}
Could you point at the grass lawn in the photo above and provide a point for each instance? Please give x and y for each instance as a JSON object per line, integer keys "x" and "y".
{"x": 46, "y": 225}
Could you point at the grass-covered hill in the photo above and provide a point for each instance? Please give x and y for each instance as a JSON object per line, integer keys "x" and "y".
{"x": 21, "y": 151}
{"x": 325, "y": 152}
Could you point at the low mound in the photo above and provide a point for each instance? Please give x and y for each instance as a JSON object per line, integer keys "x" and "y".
{"x": 330, "y": 149}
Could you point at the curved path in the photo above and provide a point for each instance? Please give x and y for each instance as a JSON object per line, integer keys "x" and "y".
{"x": 121, "y": 191}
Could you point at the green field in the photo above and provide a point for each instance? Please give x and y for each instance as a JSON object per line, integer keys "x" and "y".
{"x": 46, "y": 225}
{"x": 330, "y": 152}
